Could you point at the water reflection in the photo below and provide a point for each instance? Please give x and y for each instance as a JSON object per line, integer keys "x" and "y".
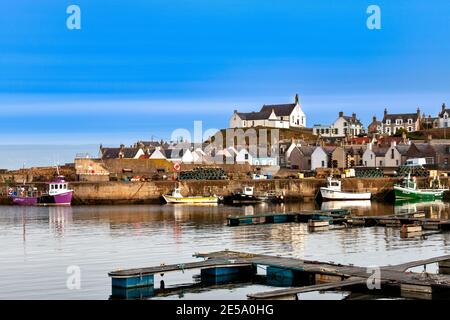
{"x": 432, "y": 209}
{"x": 38, "y": 243}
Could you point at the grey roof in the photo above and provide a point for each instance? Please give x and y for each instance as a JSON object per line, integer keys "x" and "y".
{"x": 403, "y": 116}
{"x": 306, "y": 150}
{"x": 253, "y": 115}
{"x": 426, "y": 149}
{"x": 281, "y": 110}
{"x": 442, "y": 148}
{"x": 352, "y": 120}
{"x": 113, "y": 153}
{"x": 380, "y": 151}
{"x": 403, "y": 148}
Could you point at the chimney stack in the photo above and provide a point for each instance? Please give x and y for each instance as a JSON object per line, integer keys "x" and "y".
{"x": 374, "y": 119}
{"x": 443, "y": 107}
{"x": 354, "y": 116}
{"x": 341, "y": 114}
{"x": 385, "y": 111}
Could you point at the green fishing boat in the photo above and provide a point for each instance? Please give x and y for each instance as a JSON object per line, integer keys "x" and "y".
{"x": 408, "y": 190}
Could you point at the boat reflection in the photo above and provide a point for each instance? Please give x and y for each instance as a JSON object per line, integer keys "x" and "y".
{"x": 347, "y": 204}
{"x": 436, "y": 209}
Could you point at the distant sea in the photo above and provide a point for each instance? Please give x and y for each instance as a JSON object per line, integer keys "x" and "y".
{"x": 17, "y": 156}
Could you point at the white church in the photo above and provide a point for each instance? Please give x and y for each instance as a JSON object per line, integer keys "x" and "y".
{"x": 274, "y": 116}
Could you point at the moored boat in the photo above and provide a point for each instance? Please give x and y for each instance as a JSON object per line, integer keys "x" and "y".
{"x": 247, "y": 196}
{"x": 177, "y": 197}
{"x": 333, "y": 191}
{"x": 408, "y": 190}
{"x": 57, "y": 194}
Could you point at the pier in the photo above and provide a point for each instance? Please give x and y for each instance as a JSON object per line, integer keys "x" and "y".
{"x": 223, "y": 266}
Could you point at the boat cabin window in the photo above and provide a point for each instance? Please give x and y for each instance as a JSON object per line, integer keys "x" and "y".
{"x": 334, "y": 184}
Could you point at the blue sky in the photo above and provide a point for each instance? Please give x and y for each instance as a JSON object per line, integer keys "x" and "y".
{"x": 143, "y": 68}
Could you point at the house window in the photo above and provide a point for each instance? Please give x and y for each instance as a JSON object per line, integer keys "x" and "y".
{"x": 371, "y": 156}
{"x": 309, "y": 162}
{"x": 398, "y": 121}
{"x": 327, "y": 131}
{"x": 445, "y": 116}
{"x": 365, "y": 163}
{"x": 293, "y": 119}
{"x": 323, "y": 164}
{"x": 345, "y": 124}
{"x": 388, "y": 121}
{"x": 410, "y": 121}
{"x": 392, "y": 153}
{"x": 396, "y": 162}
{"x": 410, "y": 129}
{"x": 381, "y": 163}
{"x": 388, "y": 130}
{"x": 336, "y": 131}
{"x": 246, "y": 156}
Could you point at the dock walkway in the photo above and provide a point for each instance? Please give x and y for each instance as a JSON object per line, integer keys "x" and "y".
{"x": 226, "y": 263}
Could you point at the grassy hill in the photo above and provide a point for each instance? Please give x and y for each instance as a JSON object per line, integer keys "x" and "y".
{"x": 283, "y": 134}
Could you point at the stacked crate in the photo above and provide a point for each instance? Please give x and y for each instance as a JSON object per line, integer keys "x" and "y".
{"x": 203, "y": 174}
{"x": 369, "y": 173}
{"x": 417, "y": 171}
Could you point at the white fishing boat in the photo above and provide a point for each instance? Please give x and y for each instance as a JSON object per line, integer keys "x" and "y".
{"x": 177, "y": 197}
{"x": 333, "y": 191}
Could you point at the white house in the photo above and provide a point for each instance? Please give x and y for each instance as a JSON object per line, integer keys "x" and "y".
{"x": 444, "y": 117}
{"x": 382, "y": 156}
{"x": 243, "y": 156}
{"x": 319, "y": 158}
{"x": 157, "y": 154}
{"x": 187, "y": 157}
{"x": 274, "y": 116}
{"x": 341, "y": 127}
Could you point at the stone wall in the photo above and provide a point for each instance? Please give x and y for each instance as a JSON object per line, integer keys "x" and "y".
{"x": 150, "y": 192}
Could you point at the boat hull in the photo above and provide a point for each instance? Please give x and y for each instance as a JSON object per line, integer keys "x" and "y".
{"x": 406, "y": 193}
{"x": 190, "y": 200}
{"x": 330, "y": 194}
{"x": 63, "y": 199}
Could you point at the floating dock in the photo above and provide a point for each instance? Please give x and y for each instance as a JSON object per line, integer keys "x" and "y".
{"x": 330, "y": 215}
{"x": 223, "y": 266}
{"x": 412, "y": 224}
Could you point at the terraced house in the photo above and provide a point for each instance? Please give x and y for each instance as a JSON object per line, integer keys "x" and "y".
{"x": 393, "y": 122}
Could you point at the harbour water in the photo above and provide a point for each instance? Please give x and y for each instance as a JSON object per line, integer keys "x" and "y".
{"x": 39, "y": 244}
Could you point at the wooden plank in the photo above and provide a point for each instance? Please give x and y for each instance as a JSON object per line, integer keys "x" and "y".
{"x": 295, "y": 291}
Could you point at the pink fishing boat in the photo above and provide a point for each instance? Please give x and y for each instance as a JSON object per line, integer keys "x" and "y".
{"x": 58, "y": 194}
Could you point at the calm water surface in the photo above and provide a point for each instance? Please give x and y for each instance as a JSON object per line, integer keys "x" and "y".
{"x": 38, "y": 244}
